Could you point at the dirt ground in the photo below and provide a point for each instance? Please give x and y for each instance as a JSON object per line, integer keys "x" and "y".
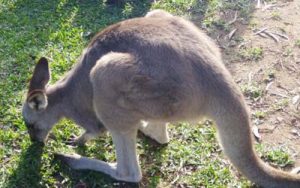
{"x": 272, "y": 73}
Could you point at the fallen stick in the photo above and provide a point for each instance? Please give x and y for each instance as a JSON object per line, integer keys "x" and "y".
{"x": 231, "y": 34}
{"x": 268, "y": 86}
{"x": 260, "y": 31}
{"x": 258, "y": 5}
{"x": 262, "y": 35}
{"x": 234, "y": 19}
{"x": 272, "y": 36}
{"x": 266, "y": 7}
{"x": 281, "y": 35}
{"x": 278, "y": 94}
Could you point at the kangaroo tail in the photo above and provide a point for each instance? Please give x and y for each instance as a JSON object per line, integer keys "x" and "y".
{"x": 233, "y": 124}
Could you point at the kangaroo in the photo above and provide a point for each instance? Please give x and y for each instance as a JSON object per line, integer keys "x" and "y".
{"x": 141, "y": 74}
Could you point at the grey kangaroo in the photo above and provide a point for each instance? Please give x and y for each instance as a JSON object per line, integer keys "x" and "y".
{"x": 141, "y": 74}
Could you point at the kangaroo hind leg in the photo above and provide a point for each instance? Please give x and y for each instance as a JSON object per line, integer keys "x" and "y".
{"x": 126, "y": 168}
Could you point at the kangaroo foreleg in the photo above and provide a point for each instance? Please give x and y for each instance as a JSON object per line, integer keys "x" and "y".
{"x": 85, "y": 137}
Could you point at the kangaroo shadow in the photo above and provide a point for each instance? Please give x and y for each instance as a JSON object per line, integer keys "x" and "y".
{"x": 89, "y": 178}
{"x": 33, "y": 22}
{"x": 148, "y": 162}
{"x": 93, "y": 15}
{"x": 28, "y": 173}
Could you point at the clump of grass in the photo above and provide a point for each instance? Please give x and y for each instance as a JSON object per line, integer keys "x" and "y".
{"x": 288, "y": 52}
{"x": 269, "y": 75}
{"x": 297, "y": 43}
{"x": 253, "y": 23}
{"x": 276, "y": 156}
{"x": 252, "y": 91}
{"x": 279, "y": 105}
{"x": 253, "y": 53}
{"x": 275, "y": 15}
{"x": 259, "y": 114}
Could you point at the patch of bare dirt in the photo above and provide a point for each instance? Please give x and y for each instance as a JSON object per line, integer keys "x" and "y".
{"x": 275, "y": 74}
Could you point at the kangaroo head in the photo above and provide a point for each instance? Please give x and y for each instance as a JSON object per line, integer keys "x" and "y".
{"x": 36, "y": 110}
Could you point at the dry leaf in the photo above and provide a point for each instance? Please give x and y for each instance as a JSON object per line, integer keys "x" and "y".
{"x": 296, "y": 99}
{"x": 256, "y": 132}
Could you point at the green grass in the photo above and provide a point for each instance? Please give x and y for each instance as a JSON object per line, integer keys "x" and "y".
{"x": 251, "y": 53}
{"x": 59, "y": 30}
{"x": 259, "y": 114}
{"x": 280, "y": 104}
{"x": 252, "y": 91}
{"x": 297, "y": 43}
{"x": 275, "y": 15}
{"x": 276, "y": 156}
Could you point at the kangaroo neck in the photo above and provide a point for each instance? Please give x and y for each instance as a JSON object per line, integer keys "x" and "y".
{"x": 73, "y": 94}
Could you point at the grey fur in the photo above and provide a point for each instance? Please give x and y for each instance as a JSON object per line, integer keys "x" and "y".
{"x": 155, "y": 69}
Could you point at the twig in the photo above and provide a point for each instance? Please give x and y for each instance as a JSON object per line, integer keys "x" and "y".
{"x": 271, "y": 35}
{"x": 234, "y": 19}
{"x": 291, "y": 68}
{"x": 258, "y": 5}
{"x": 283, "y": 4}
{"x": 282, "y": 87}
{"x": 243, "y": 44}
{"x": 178, "y": 170}
{"x": 249, "y": 78}
{"x": 268, "y": 86}
{"x": 281, "y": 35}
{"x": 263, "y": 35}
{"x": 174, "y": 181}
{"x": 296, "y": 116}
{"x": 231, "y": 34}
{"x": 266, "y": 7}
{"x": 281, "y": 64}
{"x": 278, "y": 94}
{"x": 260, "y": 31}
{"x": 267, "y": 130}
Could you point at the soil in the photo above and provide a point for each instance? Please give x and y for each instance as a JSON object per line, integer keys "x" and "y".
{"x": 276, "y": 73}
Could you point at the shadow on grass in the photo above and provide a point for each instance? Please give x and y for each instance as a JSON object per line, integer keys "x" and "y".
{"x": 28, "y": 172}
{"x": 150, "y": 160}
{"x": 31, "y": 27}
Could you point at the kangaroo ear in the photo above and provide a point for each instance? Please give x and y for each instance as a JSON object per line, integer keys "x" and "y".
{"x": 41, "y": 75}
{"x": 37, "y": 100}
